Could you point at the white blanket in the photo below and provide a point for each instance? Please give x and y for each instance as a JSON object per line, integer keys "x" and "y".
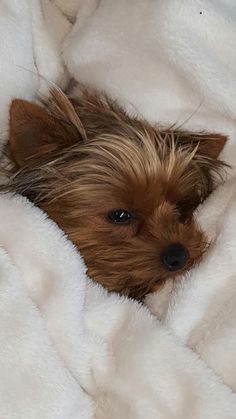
{"x": 31, "y": 33}
{"x": 171, "y": 61}
{"x": 201, "y": 308}
{"x": 69, "y": 350}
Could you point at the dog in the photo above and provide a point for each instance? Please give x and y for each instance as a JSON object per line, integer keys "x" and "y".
{"x": 123, "y": 190}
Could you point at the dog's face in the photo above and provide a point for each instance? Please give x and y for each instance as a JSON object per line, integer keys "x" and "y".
{"x": 124, "y": 191}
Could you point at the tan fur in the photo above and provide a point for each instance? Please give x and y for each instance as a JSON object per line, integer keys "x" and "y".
{"x": 80, "y": 159}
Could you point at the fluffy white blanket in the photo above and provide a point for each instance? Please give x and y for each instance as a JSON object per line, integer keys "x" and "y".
{"x": 69, "y": 350}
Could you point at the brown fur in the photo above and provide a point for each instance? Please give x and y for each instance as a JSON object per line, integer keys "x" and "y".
{"x": 80, "y": 159}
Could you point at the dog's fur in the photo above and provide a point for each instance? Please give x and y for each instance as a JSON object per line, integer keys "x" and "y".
{"x": 80, "y": 159}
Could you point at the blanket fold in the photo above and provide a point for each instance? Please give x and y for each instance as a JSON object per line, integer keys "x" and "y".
{"x": 68, "y": 349}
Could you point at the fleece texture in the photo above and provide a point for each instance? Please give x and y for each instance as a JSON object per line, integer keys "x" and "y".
{"x": 31, "y": 35}
{"x": 68, "y": 349}
{"x": 171, "y": 61}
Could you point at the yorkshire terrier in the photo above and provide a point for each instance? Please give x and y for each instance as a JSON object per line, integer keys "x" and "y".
{"x": 124, "y": 191}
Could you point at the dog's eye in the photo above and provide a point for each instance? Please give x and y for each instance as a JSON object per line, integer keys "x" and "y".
{"x": 120, "y": 216}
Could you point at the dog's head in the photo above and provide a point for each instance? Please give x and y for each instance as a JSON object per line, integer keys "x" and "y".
{"x": 124, "y": 191}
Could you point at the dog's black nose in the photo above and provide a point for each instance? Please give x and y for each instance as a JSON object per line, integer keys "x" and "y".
{"x": 174, "y": 257}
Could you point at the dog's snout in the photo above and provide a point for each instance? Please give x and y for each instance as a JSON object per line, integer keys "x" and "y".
{"x": 174, "y": 257}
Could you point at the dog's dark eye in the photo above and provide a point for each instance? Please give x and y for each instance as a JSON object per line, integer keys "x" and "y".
{"x": 120, "y": 216}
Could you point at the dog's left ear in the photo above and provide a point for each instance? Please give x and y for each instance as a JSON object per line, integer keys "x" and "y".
{"x": 37, "y": 131}
{"x": 204, "y": 150}
{"x": 208, "y": 145}
{"x": 207, "y": 150}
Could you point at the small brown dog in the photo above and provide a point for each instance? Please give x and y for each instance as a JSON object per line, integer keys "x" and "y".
{"x": 123, "y": 190}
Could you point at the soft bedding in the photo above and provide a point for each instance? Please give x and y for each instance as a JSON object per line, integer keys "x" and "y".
{"x": 68, "y": 349}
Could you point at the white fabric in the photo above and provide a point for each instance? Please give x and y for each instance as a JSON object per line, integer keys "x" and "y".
{"x": 171, "y": 61}
{"x": 174, "y": 63}
{"x": 67, "y": 349}
{"x": 31, "y": 36}
{"x": 201, "y": 308}
{"x": 59, "y": 333}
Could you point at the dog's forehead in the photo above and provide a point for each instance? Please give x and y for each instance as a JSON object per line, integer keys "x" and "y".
{"x": 142, "y": 197}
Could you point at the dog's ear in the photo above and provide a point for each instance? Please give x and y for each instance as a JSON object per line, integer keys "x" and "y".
{"x": 211, "y": 170}
{"x": 33, "y": 132}
{"x": 36, "y": 132}
{"x": 207, "y": 145}
{"x": 211, "y": 145}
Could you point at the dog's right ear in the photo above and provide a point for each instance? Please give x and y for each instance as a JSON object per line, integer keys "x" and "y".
{"x": 36, "y": 132}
